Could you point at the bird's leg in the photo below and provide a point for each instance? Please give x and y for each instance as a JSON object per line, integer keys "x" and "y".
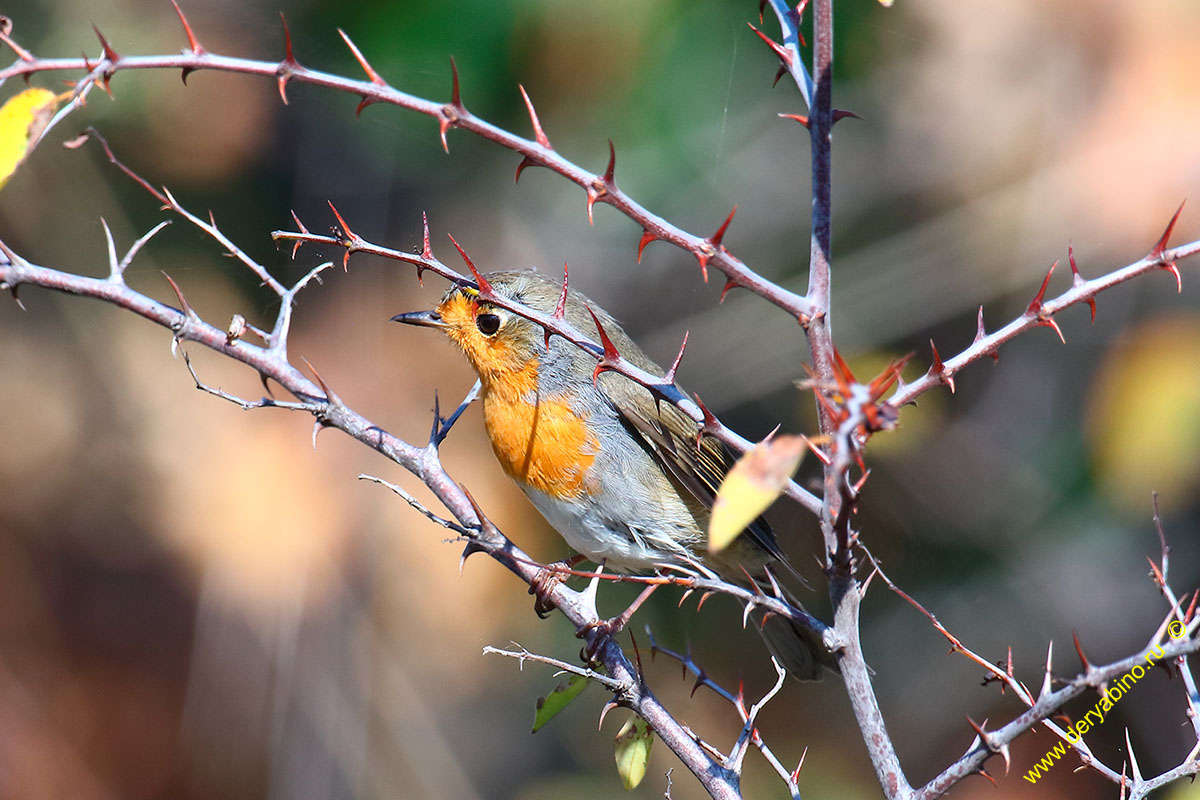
{"x": 613, "y": 625}
{"x": 545, "y": 581}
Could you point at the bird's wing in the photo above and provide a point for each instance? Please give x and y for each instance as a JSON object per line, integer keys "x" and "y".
{"x": 696, "y": 460}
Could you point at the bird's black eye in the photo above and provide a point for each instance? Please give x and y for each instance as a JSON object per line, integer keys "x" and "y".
{"x": 487, "y": 324}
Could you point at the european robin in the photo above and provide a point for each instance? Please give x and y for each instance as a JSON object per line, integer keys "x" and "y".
{"x": 624, "y": 479}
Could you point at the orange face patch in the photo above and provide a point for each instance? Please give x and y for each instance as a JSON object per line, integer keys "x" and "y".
{"x": 496, "y": 357}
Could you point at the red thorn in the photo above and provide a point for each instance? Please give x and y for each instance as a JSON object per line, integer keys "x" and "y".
{"x": 426, "y": 249}
{"x": 362, "y": 62}
{"x": 716, "y": 238}
{"x": 612, "y": 165}
{"x": 710, "y": 421}
{"x": 525, "y": 162}
{"x": 1079, "y": 651}
{"x": 330, "y": 395}
{"x": 939, "y": 368}
{"x": 455, "y": 93}
{"x": 452, "y": 111}
{"x": 821, "y": 455}
{"x": 366, "y": 101}
{"x": 611, "y": 355}
{"x": 539, "y": 134}
{"x": 1187, "y": 617}
{"x": 485, "y": 288}
{"x": 647, "y": 238}
{"x": 985, "y": 774}
{"x": 592, "y": 196}
{"x": 1035, "y": 306}
{"x": 842, "y": 372}
{"x": 109, "y": 53}
{"x": 1159, "y": 248}
{"x": 349, "y": 237}
{"x": 560, "y": 308}
{"x": 670, "y": 376}
{"x": 730, "y": 283}
{"x": 184, "y": 306}
{"x": 193, "y": 43}
{"x": 762, "y": 6}
{"x": 803, "y": 120}
{"x": 779, "y": 73}
{"x": 782, "y": 52}
{"x": 981, "y": 334}
{"x": 302, "y": 229}
{"x": 840, "y": 114}
{"x": 1077, "y": 279}
{"x": 289, "y": 55}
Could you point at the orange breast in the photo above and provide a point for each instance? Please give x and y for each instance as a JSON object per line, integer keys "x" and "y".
{"x": 545, "y": 445}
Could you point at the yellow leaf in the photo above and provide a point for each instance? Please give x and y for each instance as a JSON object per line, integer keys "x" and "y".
{"x": 753, "y": 484}
{"x": 22, "y": 119}
{"x": 1144, "y": 415}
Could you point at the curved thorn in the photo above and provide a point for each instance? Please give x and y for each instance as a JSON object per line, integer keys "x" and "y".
{"x": 362, "y": 62}
{"x": 840, "y": 114}
{"x": 539, "y": 134}
{"x": 716, "y": 239}
{"x": 592, "y": 197}
{"x": 184, "y": 306}
{"x": 612, "y": 165}
{"x": 485, "y": 288}
{"x": 560, "y": 308}
{"x": 109, "y": 54}
{"x": 647, "y": 238}
{"x": 193, "y": 43}
{"x": 780, "y": 51}
{"x": 525, "y": 162}
{"x": 939, "y": 369}
{"x": 1159, "y": 247}
{"x": 1035, "y": 305}
{"x": 1087, "y": 666}
{"x": 426, "y": 249}
{"x": 1077, "y": 279}
{"x": 611, "y": 355}
{"x": 289, "y": 56}
{"x": 670, "y": 376}
{"x": 330, "y": 395}
{"x": 455, "y": 93}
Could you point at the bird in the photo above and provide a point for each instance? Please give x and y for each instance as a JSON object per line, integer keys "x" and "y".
{"x": 626, "y": 480}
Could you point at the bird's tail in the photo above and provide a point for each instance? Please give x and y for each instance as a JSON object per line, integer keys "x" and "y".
{"x": 798, "y": 649}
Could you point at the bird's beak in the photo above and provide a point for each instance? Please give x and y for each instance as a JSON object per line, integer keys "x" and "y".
{"x": 429, "y": 319}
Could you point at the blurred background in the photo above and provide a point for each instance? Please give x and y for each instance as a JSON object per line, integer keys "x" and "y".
{"x": 195, "y": 602}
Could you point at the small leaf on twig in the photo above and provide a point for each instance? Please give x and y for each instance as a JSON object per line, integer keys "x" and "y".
{"x": 632, "y": 748}
{"x": 753, "y": 484}
{"x": 549, "y": 706}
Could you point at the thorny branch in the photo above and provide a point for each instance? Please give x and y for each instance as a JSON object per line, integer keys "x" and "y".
{"x": 849, "y": 412}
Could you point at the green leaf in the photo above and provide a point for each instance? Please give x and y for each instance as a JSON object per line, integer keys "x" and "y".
{"x": 549, "y": 706}
{"x": 632, "y": 749}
